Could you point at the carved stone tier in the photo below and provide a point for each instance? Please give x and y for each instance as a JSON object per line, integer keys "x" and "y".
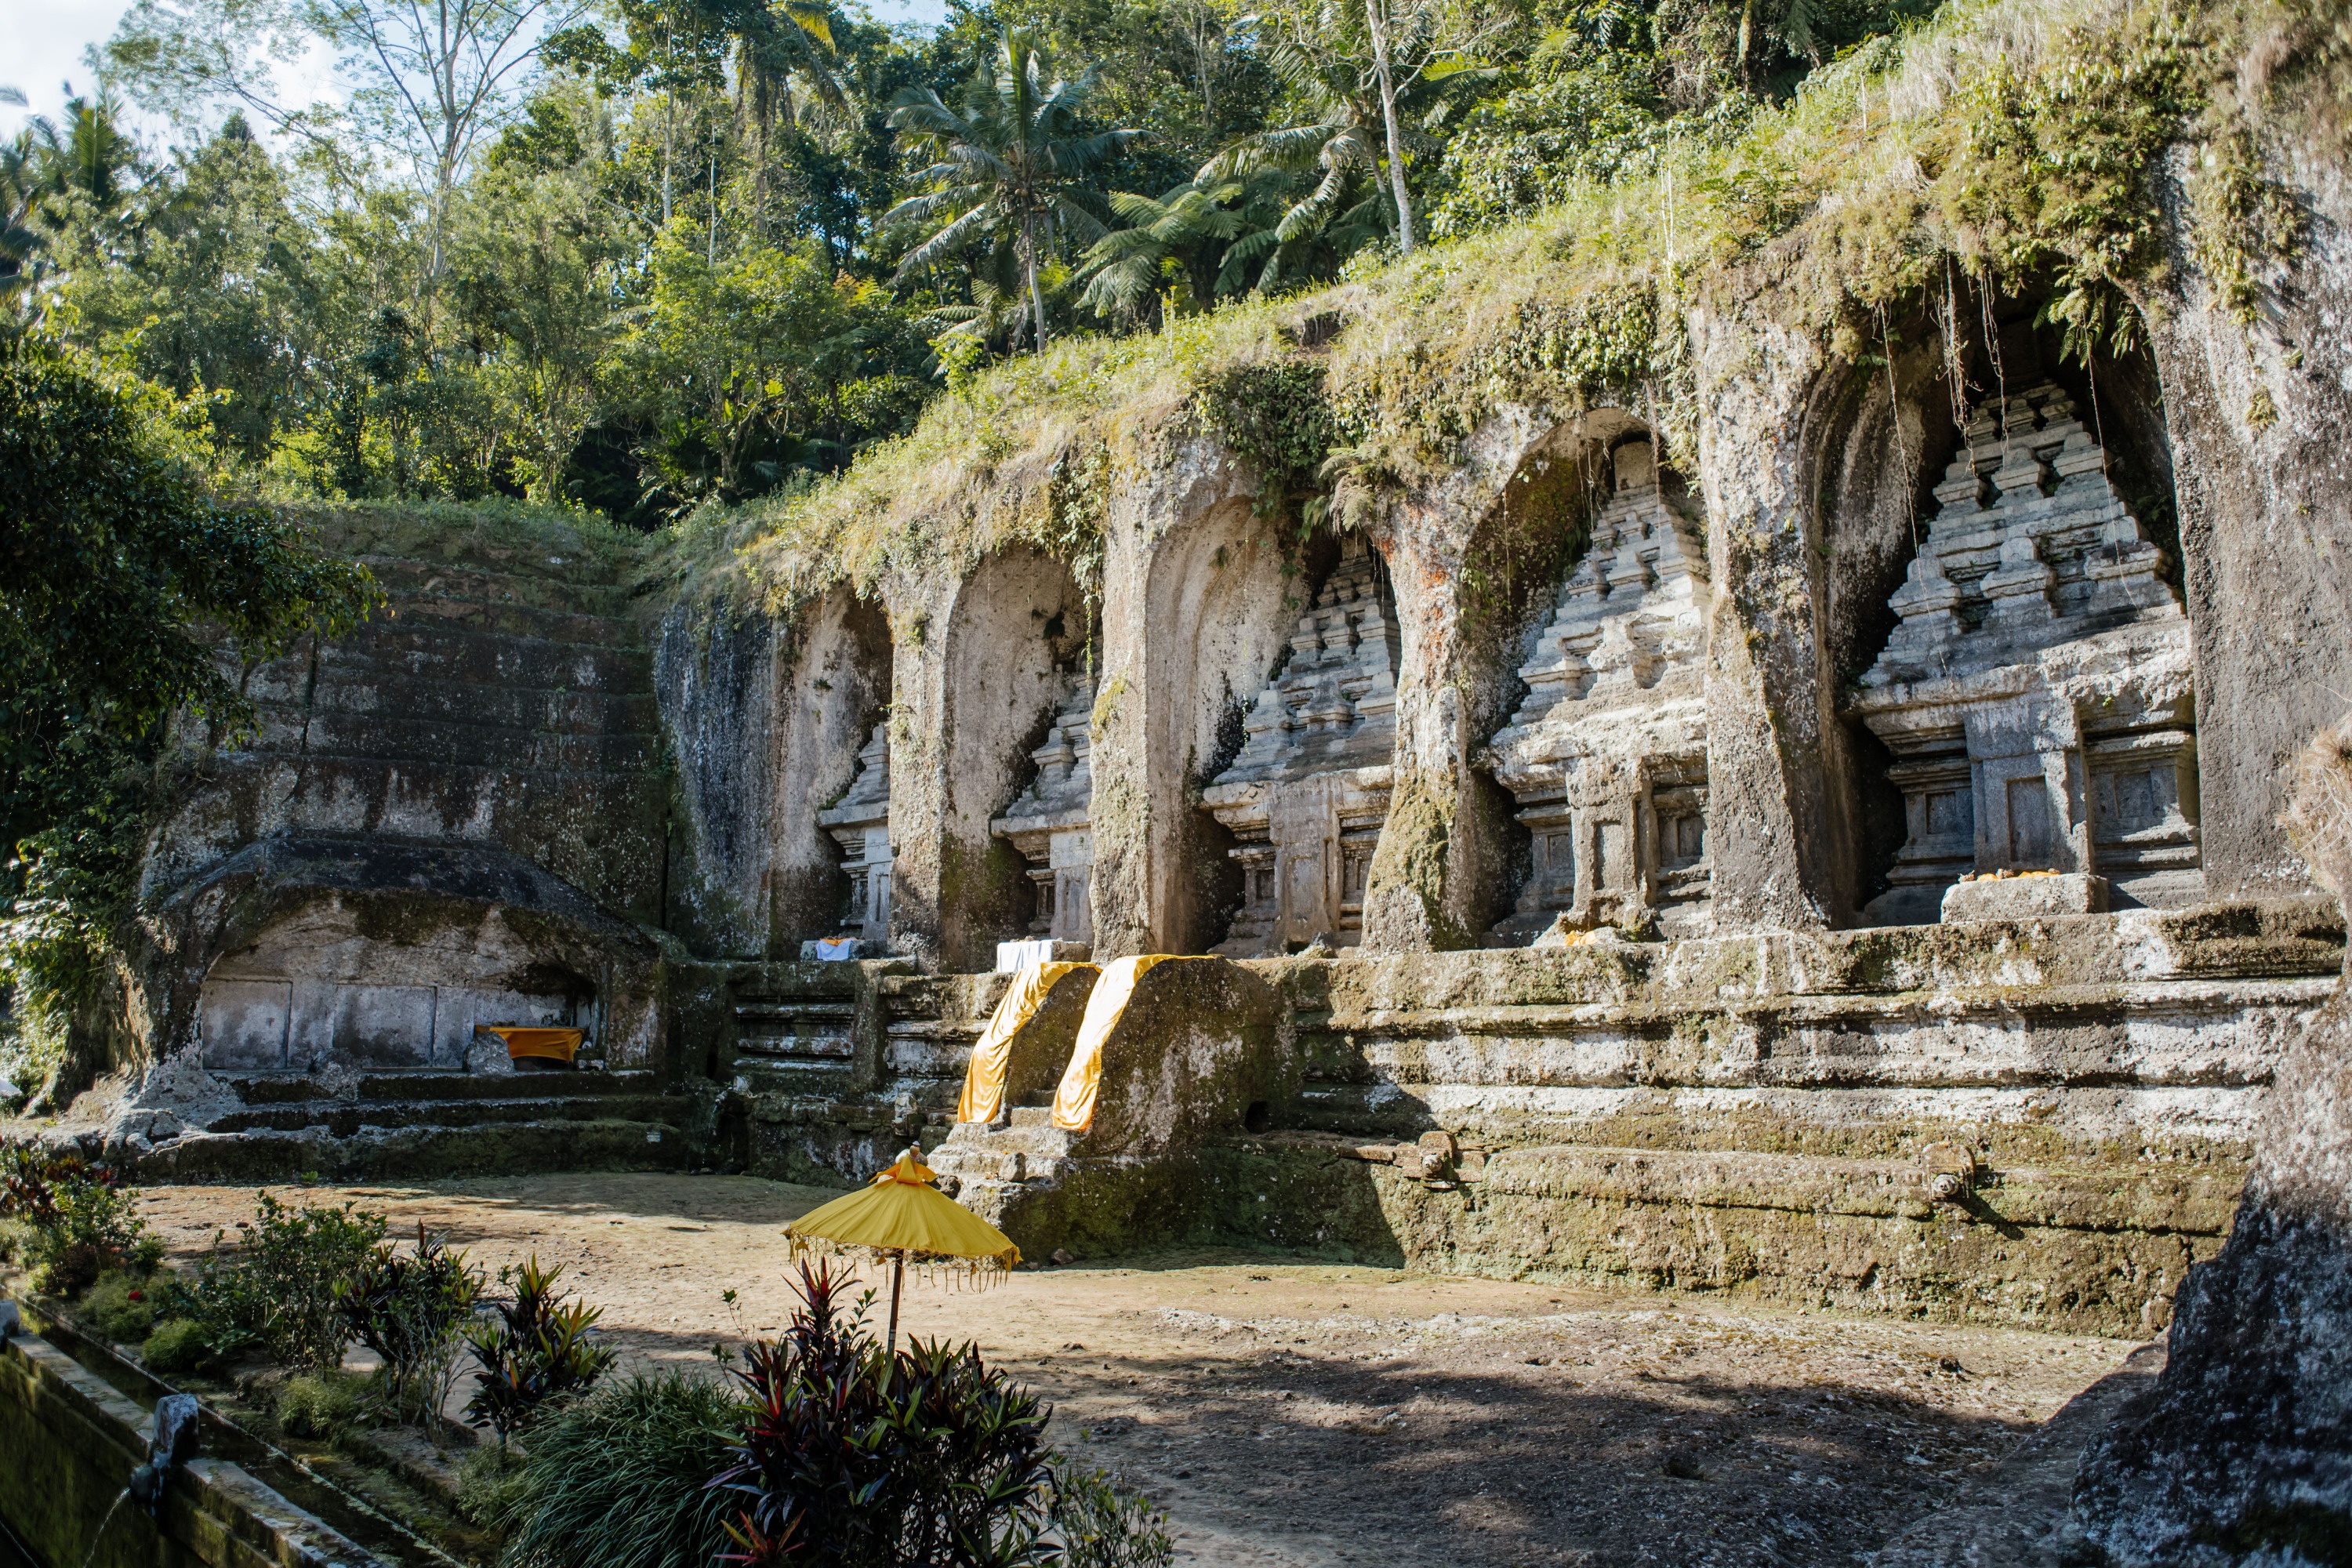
{"x": 860, "y": 823}
{"x": 1309, "y": 790}
{"x": 1050, "y": 823}
{"x": 2038, "y": 694}
{"x": 1607, "y": 757}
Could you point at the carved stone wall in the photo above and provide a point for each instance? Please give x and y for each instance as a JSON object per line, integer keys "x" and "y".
{"x": 1050, "y": 823}
{"x": 1607, "y": 756}
{"x": 1308, "y": 793}
{"x": 2038, "y": 694}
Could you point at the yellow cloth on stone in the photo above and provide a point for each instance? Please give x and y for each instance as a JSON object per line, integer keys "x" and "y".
{"x": 553, "y": 1045}
{"x": 1074, "y": 1102}
{"x": 983, "y": 1076}
{"x": 901, "y": 1212}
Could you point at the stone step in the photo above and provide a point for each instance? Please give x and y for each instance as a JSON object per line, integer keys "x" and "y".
{"x": 564, "y": 588}
{"x": 345, "y": 1117}
{"x": 276, "y": 1088}
{"x": 546, "y": 624}
{"x": 370, "y": 737}
{"x": 504, "y": 1149}
{"x": 478, "y": 658}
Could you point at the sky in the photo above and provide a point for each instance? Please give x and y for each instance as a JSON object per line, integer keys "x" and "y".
{"x": 41, "y": 45}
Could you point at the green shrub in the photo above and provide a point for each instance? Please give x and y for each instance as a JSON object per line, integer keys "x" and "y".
{"x": 178, "y": 1345}
{"x": 621, "y": 1479}
{"x": 1100, "y": 1524}
{"x": 324, "y": 1403}
{"x": 537, "y": 1352}
{"x": 491, "y": 1487}
{"x": 411, "y": 1308}
{"x": 274, "y": 1291}
{"x": 122, "y": 1305}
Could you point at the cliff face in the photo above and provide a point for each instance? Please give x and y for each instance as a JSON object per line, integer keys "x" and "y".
{"x": 2245, "y": 1452}
{"x": 1718, "y": 795}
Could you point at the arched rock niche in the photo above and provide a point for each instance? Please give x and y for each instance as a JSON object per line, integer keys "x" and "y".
{"x": 2003, "y": 618}
{"x": 837, "y": 684}
{"x": 1606, "y": 754}
{"x": 1474, "y": 559}
{"x": 1195, "y": 622}
{"x": 768, "y": 715}
{"x": 1014, "y": 656}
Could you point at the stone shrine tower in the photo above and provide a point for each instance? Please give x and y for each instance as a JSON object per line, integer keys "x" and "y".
{"x": 860, "y": 824}
{"x": 1607, "y": 757}
{"x": 1050, "y": 823}
{"x": 2038, "y": 694}
{"x": 1309, "y": 790}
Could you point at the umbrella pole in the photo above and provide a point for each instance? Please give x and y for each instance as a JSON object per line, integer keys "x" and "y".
{"x": 897, "y": 1277}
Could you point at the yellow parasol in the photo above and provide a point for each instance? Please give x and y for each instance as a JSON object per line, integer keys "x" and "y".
{"x": 900, "y": 1215}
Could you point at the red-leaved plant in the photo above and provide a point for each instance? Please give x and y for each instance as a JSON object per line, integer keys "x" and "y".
{"x": 860, "y": 1459}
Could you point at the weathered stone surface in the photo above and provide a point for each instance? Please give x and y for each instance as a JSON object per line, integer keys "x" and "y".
{"x": 2245, "y": 1455}
{"x": 2031, "y": 897}
{"x": 1306, "y": 797}
{"x": 1607, "y": 757}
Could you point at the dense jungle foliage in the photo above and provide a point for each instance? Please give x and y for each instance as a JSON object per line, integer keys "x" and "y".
{"x": 647, "y": 253}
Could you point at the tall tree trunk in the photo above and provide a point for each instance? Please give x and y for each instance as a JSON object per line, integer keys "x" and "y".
{"x": 1029, "y": 263}
{"x": 1376, "y": 15}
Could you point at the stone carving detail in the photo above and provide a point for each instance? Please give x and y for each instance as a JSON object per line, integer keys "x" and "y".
{"x": 860, "y": 824}
{"x": 1607, "y": 757}
{"x": 2037, "y": 695}
{"x": 1309, "y": 790}
{"x": 1049, "y": 824}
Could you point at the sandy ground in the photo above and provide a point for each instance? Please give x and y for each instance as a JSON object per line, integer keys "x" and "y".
{"x": 1296, "y": 1413}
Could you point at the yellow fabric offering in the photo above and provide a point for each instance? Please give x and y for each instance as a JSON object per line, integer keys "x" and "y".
{"x": 900, "y": 1213}
{"x": 1074, "y": 1102}
{"x": 983, "y": 1076}
{"x": 554, "y": 1045}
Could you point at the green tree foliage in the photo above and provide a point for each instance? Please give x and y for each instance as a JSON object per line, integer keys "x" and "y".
{"x": 124, "y": 573}
{"x": 1013, "y": 169}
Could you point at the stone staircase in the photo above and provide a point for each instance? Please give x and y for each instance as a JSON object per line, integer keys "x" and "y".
{"x": 408, "y": 1124}
{"x": 986, "y": 1168}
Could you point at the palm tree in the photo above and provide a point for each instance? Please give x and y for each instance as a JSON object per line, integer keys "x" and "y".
{"x": 1011, "y": 165}
{"x": 1360, "y": 73}
{"x": 1217, "y": 229}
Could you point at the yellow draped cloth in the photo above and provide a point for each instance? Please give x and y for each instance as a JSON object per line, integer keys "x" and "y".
{"x": 554, "y": 1045}
{"x": 1074, "y": 1102}
{"x": 983, "y": 1076}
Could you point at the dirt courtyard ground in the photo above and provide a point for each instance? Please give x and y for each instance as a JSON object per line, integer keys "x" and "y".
{"x": 1287, "y": 1412}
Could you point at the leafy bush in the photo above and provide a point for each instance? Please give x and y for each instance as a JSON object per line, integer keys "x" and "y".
{"x": 1100, "y": 1524}
{"x": 854, "y": 1457}
{"x": 178, "y": 1345}
{"x": 620, "y": 1480}
{"x": 324, "y": 1404}
{"x": 78, "y": 1220}
{"x": 411, "y": 1308}
{"x": 275, "y": 1289}
{"x": 122, "y": 1305}
{"x": 537, "y": 1351}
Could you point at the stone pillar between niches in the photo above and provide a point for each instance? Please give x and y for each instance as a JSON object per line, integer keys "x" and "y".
{"x": 1016, "y": 636}
{"x": 1472, "y": 559}
{"x": 1777, "y": 833}
{"x": 1193, "y": 622}
{"x": 2259, "y": 418}
{"x": 916, "y": 731}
